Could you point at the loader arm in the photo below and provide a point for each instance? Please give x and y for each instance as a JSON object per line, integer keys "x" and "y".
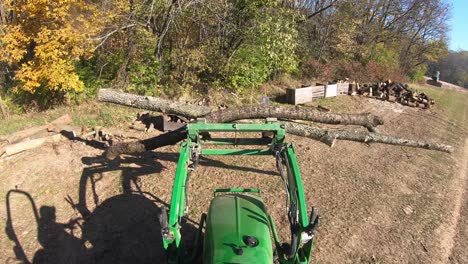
{"x": 296, "y": 251}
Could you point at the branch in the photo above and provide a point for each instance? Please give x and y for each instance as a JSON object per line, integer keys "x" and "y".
{"x": 104, "y": 38}
{"x": 332, "y": 3}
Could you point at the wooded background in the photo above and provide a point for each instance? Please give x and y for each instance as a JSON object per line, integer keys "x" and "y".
{"x": 55, "y": 51}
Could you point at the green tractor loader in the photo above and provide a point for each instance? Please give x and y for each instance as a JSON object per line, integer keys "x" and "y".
{"x": 237, "y": 227}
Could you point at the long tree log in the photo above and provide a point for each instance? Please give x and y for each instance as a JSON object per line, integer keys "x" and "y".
{"x": 245, "y": 112}
{"x": 152, "y": 103}
{"x": 308, "y": 114}
{"x": 327, "y": 136}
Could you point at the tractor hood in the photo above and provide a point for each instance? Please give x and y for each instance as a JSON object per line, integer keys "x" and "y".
{"x": 237, "y": 230}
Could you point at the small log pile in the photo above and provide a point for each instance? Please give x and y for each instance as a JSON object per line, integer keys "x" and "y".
{"x": 396, "y": 92}
{"x": 32, "y": 137}
{"x": 55, "y": 132}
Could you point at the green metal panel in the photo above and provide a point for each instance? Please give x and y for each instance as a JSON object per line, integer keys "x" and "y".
{"x": 195, "y": 128}
{"x": 255, "y": 152}
{"x": 231, "y": 218}
{"x": 178, "y": 195}
{"x": 237, "y": 190}
{"x": 303, "y": 217}
{"x": 237, "y": 141}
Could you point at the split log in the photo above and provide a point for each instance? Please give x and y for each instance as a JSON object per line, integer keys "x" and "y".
{"x": 152, "y": 103}
{"x": 23, "y": 134}
{"x": 30, "y": 144}
{"x": 308, "y": 114}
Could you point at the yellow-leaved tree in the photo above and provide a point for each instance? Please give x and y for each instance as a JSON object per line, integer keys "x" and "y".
{"x": 43, "y": 39}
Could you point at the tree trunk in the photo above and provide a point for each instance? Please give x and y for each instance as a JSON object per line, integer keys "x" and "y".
{"x": 152, "y": 103}
{"x": 325, "y": 135}
{"x": 245, "y": 112}
{"x": 309, "y": 114}
{"x": 4, "y": 111}
{"x": 328, "y": 136}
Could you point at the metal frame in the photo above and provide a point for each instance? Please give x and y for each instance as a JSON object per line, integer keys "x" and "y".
{"x": 193, "y": 147}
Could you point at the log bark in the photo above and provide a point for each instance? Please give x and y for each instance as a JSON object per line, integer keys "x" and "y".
{"x": 309, "y": 114}
{"x": 152, "y": 103}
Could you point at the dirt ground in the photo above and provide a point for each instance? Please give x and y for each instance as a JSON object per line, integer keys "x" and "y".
{"x": 378, "y": 203}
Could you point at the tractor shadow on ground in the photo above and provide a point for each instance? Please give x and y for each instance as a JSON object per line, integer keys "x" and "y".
{"x": 124, "y": 228}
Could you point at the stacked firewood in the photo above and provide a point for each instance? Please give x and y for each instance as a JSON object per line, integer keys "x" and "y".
{"x": 396, "y": 92}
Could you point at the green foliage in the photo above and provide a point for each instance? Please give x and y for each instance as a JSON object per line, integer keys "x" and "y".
{"x": 249, "y": 68}
{"x": 277, "y": 37}
{"x": 453, "y": 68}
{"x": 187, "y": 66}
{"x": 384, "y": 56}
{"x": 269, "y": 49}
{"x": 144, "y": 75}
{"x": 418, "y": 72}
{"x": 144, "y": 69}
{"x": 86, "y": 70}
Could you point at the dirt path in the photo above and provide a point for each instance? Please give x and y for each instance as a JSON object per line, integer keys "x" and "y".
{"x": 454, "y": 240}
{"x": 447, "y": 238}
{"x": 446, "y": 85}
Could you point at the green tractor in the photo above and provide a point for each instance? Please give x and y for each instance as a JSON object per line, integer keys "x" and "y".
{"x": 237, "y": 227}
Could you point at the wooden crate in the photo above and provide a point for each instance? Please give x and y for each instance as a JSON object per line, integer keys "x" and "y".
{"x": 299, "y": 95}
{"x": 304, "y": 95}
{"x": 343, "y": 89}
{"x": 318, "y": 91}
{"x": 331, "y": 90}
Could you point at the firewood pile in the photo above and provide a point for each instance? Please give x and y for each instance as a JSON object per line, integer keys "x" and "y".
{"x": 396, "y": 92}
